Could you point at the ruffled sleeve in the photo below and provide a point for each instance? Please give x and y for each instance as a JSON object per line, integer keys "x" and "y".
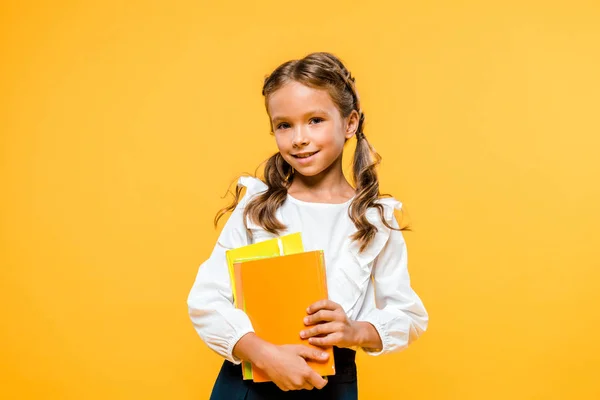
{"x": 391, "y": 305}
{"x": 210, "y": 301}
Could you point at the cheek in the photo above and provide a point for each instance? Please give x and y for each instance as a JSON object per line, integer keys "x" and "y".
{"x": 280, "y": 141}
{"x": 334, "y": 140}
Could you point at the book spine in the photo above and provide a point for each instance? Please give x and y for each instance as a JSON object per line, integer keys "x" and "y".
{"x": 323, "y": 275}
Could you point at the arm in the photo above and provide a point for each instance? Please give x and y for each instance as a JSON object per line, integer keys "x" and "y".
{"x": 210, "y": 301}
{"x": 252, "y": 348}
{"x": 367, "y": 336}
{"x": 391, "y": 306}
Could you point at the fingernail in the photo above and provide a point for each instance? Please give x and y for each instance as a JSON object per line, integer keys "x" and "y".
{"x": 306, "y": 320}
{"x": 302, "y": 334}
{"x": 324, "y": 355}
{"x": 308, "y": 310}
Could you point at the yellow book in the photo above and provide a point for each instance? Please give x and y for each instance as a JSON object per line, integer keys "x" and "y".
{"x": 284, "y": 245}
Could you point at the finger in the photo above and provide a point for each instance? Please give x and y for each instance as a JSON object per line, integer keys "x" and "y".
{"x": 283, "y": 388}
{"x": 301, "y": 383}
{"x": 324, "y": 304}
{"x": 317, "y": 381}
{"x": 332, "y": 339}
{"x": 321, "y": 329}
{"x": 312, "y": 354}
{"x": 323, "y": 315}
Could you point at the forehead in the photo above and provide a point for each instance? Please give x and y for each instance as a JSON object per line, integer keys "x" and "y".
{"x": 294, "y": 98}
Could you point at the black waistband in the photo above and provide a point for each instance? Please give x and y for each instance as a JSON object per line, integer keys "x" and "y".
{"x": 345, "y": 365}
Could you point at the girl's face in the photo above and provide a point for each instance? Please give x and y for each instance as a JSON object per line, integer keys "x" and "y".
{"x": 309, "y": 130}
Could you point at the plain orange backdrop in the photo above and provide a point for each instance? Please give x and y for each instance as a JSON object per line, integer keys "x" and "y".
{"x": 122, "y": 124}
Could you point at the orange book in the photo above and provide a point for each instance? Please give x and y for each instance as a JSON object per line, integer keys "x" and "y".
{"x": 275, "y": 293}
{"x": 287, "y": 244}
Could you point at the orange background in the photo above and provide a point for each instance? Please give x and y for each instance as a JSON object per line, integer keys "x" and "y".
{"x": 122, "y": 123}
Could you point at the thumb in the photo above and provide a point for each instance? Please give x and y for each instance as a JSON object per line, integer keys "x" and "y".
{"x": 312, "y": 354}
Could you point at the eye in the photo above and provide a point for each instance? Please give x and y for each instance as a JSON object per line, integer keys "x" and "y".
{"x": 283, "y": 125}
{"x": 316, "y": 120}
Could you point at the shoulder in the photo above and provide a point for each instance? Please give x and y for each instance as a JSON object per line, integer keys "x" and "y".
{"x": 385, "y": 207}
{"x": 253, "y": 185}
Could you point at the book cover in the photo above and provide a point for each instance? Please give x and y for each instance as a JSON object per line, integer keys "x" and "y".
{"x": 275, "y": 294}
{"x": 287, "y": 244}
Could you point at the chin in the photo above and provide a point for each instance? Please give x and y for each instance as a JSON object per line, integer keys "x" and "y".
{"x": 308, "y": 171}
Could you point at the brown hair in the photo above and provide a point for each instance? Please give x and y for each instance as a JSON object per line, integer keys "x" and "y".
{"x": 320, "y": 71}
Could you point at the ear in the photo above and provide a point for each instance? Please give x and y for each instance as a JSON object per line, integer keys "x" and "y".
{"x": 351, "y": 124}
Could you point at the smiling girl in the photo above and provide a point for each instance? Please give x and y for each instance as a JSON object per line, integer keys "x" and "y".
{"x": 314, "y": 110}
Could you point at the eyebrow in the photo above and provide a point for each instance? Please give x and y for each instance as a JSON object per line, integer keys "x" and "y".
{"x": 312, "y": 112}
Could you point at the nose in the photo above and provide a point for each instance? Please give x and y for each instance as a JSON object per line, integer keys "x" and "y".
{"x": 300, "y": 138}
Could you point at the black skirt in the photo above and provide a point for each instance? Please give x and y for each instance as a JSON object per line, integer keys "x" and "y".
{"x": 341, "y": 386}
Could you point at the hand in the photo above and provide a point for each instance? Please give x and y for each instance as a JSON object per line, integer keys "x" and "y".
{"x": 286, "y": 366}
{"x": 328, "y": 320}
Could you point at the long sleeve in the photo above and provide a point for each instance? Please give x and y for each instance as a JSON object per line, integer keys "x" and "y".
{"x": 210, "y": 302}
{"x": 391, "y": 305}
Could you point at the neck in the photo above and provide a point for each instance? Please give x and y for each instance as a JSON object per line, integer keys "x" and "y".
{"x": 327, "y": 182}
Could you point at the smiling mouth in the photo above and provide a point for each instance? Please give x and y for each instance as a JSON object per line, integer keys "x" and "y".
{"x": 304, "y": 155}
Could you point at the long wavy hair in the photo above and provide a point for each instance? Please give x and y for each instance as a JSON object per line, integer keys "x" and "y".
{"x": 319, "y": 71}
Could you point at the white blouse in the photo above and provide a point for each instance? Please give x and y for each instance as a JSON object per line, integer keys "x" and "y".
{"x": 372, "y": 286}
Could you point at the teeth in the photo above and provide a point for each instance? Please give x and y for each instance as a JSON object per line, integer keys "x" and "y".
{"x": 305, "y": 155}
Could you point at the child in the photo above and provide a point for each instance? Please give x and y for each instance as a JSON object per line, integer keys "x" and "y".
{"x": 314, "y": 109}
